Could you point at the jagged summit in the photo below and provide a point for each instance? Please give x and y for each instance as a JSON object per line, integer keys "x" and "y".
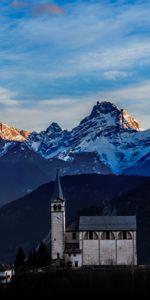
{"x": 12, "y": 134}
{"x": 103, "y": 107}
{"x": 53, "y": 128}
{"x": 110, "y": 114}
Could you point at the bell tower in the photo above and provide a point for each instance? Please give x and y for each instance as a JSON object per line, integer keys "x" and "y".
{"x": 57, "y": 221}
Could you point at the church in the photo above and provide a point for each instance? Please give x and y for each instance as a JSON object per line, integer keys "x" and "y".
{"x": 92, "y": 240}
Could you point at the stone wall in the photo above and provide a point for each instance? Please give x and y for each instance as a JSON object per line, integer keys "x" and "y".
{"x": 108, "y": 252}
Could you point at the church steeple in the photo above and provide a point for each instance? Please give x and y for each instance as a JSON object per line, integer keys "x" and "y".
{"x": 58, "y": 193}
{"x": 57, "y": 221}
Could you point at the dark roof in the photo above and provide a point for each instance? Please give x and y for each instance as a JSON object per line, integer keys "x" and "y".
{"x": 58, "y": 193}
{"x": 107, "y": 223}
{"x": 4, "y": 267}
{"x": 72, "y": 248}
{"x": 70, "y": 251}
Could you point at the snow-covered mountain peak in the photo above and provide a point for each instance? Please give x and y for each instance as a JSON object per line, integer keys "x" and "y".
{"x": 101, "y": 110}
{"x": 109, "y": 115}
{"x": 103, "y": 107}
{"x": 128, "y": 121}
{"x": 53, "y": 128}
{"x": 12, "y": 134}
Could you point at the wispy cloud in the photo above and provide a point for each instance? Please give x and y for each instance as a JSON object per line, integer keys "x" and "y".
{"x": 135, "y": 98}
{"x": 114, "y": 74}
{"x": 37, "y": 9}
{"x": 19, "y": 4}
{"x": 68, "y": 112}
{"x": 7, "y": 98}
{"x": 47, "y": 8}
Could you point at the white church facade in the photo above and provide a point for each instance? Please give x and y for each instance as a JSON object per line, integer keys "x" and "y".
{"x": 92, "y": 240}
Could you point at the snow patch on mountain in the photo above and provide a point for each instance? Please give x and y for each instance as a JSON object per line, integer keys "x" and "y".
{"x": 4, "y": 148}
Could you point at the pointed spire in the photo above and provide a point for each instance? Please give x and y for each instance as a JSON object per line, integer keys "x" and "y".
{"x": 58, "y": 193}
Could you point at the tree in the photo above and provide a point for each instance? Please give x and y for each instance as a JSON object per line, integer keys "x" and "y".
{"x": 42, "y": 255}
{"x": 32, "y": 259}
{"x": 20, "y": 258}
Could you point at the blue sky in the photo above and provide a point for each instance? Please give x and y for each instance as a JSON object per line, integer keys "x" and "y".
{"x": 57, "y": 58}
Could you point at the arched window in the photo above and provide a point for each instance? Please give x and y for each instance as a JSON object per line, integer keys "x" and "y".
{"x": 107, "y": 235}
{"x": 129, "y": 236}
{"x": 90, "y": 235}
{"x": 59, "y": 207}
{"x": 86, "y": 236}
{"x": 124, "y": 235}
{"x": 55, "y": 207}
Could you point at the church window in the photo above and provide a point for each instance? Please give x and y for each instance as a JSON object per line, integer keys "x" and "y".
{"x": 73, "y": 235}
{"x": 86, "y": 236}
{"x": 59, "y": 207}
{"x": 124, "y": 235}
{"x": 95, "y": 236}
{"x": 129, "y": 236}
{"x": 76, "y": 264}
{"x": 107, "y": 235}
{"x": 55, "y": 207}
{"x": 90, "y": 235}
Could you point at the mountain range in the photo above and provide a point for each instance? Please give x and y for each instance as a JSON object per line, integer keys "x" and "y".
{"x": 108, "y": 141}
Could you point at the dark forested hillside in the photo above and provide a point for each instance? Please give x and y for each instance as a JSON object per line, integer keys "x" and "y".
{"x": 137, "y": 202}
{"x": 106, "y": 281}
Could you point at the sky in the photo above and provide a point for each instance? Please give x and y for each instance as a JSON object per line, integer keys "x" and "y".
{"x": 58, "y": 58}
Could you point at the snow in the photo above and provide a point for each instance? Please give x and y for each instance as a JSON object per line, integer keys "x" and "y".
{"x": 36, "y": 145}
{"x": 5, "y": 148}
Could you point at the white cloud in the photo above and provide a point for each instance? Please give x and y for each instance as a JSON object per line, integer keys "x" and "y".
{"x": 39, "y": 117}
{"x": 114, "y": 74}
{"x": 135, "y": 98}
{"x": 68, "y": 112}
{"x": 6, "y": 97}
{"x": 139, "y": 92}
{"x": 128, "y": 54}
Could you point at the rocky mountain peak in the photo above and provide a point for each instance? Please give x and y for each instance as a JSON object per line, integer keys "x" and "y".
{"x": 103, "y": 107}
{"x": 128, "y": 121}
{"x": 12, "y": 134}
{"x": 53, "y": 128}
{"x": 109, "y": 114}
{"x": 24, "y": 133}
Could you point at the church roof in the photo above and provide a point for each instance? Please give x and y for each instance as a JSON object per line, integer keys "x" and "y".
{"x": 58, "y": 193}
{"x": 107, "y": 223}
